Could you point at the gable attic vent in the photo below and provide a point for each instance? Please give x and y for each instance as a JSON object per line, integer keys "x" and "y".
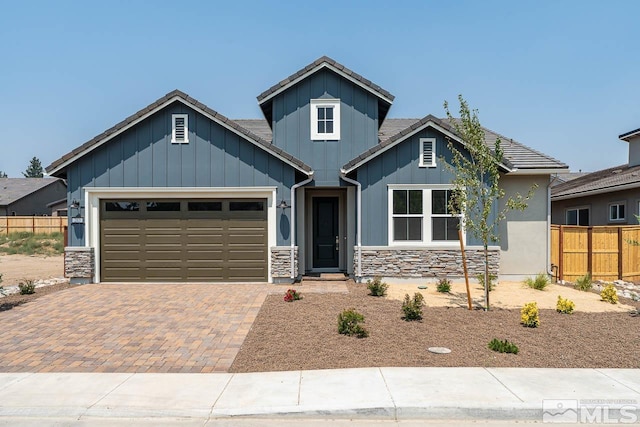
{"x": 427, "y": 152}
{"x": 180, "y": 128}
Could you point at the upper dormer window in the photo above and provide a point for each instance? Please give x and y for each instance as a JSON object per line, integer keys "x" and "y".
{"x": 325, "y": 119}
{"x": 180, "y": 128}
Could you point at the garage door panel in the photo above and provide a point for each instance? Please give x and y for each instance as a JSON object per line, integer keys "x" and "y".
{"x": 217, "y": 245}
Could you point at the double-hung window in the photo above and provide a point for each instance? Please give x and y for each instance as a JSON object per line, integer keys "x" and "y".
{"x": 422, "y": 216}
{"x": 577, "y": 216}
{"x": 325, "y": 119}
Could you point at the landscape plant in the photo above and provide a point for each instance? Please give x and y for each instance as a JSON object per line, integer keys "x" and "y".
{"x": 530, "y": 315}
{"x": 609, "y": 294}
{"x": 349, "y": 323}
{"x": 27, "y": 243}
{"x": 565, "y": 306}
{"x": 412, "y": 307}
{"x": 492, "y": 280}
{"x": 27, "y": 287}
{"x": 444, "y": 285}
{"x": 292, "y": 295}
{"x": 476, "y": 182}
{"x": 503, "y": 346}
{"x": 540, "y": 282}
{"x": 377, "y": 287}
{"x": 584, "y": 283}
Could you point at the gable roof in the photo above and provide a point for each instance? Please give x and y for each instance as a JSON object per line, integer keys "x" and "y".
{"x": 517, "y": 156}
{"x": 57, "y": 167}
{"x": 608, "y": 180}
{"x": 14, "y": 189}
{"x": 385, "y": 99}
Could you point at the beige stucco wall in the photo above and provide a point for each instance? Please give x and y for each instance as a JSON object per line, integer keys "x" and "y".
{"x": 523, "y": 236}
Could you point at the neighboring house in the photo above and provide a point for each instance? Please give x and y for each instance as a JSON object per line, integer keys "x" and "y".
{"x": 58, "y": 207}
{"x": 606, "y": 197}
{"x": 29, "y": 196}
{"x": 324, "y": 183}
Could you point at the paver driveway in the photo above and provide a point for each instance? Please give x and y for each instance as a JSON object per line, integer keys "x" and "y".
{"x": 130, "y": 328}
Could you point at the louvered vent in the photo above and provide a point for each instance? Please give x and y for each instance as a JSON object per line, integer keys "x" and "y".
{"x": 427, "y": 152}
{"x": 180, "y": 131}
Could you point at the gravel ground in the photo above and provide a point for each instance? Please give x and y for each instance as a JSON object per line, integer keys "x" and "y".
{"x": 303, "y": 335}
{"x": 10, "y": 301}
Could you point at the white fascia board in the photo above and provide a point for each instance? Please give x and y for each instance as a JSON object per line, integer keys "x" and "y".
{"x": 430, "y": 123}
{"x": 626, "y": 138}
{"x": 598, "y": 191}
{"x": 155, "y": 110}
{"x": 335, "y": 70}
{"x": 537, "y": 171}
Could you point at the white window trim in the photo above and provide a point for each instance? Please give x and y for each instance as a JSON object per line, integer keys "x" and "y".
{"x": 426, "y": 218}
{"x": 433, "y": 153}
{"x": 173, "y": 128}
{"x": 576, "y": 208}
{"x": 617, "y": 204}
{"x": 313, "y": 107}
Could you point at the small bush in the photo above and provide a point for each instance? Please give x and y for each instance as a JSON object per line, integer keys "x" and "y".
{"x": 492, "y": 280}
{"x": 609, "y": 294}
{"x": 413, "y": 307}
{"x": 349, "y": 323}
{"x": 583, "y": 283}
{"x": 503, "y": 346}
{"x": 27, "y": 287}
{"x": 540, "y": 282}
{"x": 529, "y": 315}
{"x": 565, "y": 306}
{"x": 444, "y": 286}
{"x": 376, "y": 287}
{"x": 292, "y": 295}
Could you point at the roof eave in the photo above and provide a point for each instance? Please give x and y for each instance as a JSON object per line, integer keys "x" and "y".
{"x": 603, "y": 190}
{"x": 538, "y": 171}
{"x": 627, "y": 136}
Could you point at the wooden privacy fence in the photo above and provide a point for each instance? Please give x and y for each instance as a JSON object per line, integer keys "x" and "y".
{"x": 32, "y": 224}
{"x": 603, "y": 251}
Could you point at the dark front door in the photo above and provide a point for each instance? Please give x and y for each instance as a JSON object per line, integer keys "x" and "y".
{"x": 325, "y": 232}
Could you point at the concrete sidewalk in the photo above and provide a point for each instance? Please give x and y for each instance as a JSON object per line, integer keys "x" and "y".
{"x": 385, "y": 394}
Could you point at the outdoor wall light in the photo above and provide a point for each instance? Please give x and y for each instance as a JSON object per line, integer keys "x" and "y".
{"x": 74, "y": 204}
{"x": 283, "y": 204}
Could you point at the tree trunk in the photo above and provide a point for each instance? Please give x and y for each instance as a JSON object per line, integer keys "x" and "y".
{"x": 487, "y": 278}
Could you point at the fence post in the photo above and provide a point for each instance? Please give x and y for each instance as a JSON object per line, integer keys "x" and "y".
{"x": 590, "y": 251}
{"x": 33, "y": 224}
{"x": 620, "y": 241}
{"x": 560, "y": 253}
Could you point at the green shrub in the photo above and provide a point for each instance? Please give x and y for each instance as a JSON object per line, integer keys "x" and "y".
{"x": 503, "y": 346}
{"x": 376, "y": 287}
{"x": 540, "y": 282}
{"x": 27, "y": 287}
{"x": 609, "y": 294}
{"x": 444, "y": 286}
{"x": 565, "y": 306}
{"x": 529, "y": 315}
{"x": 492, "y": 280}
{"x": 413, "y": 307}
{"x": 349, "y": 323}
{"x": 583, "y": 283}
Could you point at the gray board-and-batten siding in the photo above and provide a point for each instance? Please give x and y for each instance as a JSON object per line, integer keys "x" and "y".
{"x": 358, "y": 124}
{"x": 143, "y": 156}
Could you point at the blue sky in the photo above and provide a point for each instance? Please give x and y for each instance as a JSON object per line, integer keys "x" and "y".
{"x": 559, "y": 76}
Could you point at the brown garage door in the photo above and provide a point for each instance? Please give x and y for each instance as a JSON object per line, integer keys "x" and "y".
{"x": 221, "y": 240}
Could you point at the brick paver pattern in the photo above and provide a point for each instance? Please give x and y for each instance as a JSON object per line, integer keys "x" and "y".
{"x": 131, "y": 328}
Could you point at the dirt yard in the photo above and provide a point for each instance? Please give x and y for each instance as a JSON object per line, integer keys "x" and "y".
{"x": 16, "y": 268}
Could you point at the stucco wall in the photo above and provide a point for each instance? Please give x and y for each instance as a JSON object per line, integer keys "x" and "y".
{"x": 599, "y": 207}
{"x": 523, "y": 235}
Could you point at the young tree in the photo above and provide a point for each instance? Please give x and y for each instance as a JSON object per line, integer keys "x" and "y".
{"x": 476, "y": 182}
{"x": 3, "y": 174}
{"x": 34, "y": 170}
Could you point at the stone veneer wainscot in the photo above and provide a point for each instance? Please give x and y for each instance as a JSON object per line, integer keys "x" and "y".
{"x": 281, "y": 264}
{"x": 79, "y": 264}
{"x": 424, "y": 262}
